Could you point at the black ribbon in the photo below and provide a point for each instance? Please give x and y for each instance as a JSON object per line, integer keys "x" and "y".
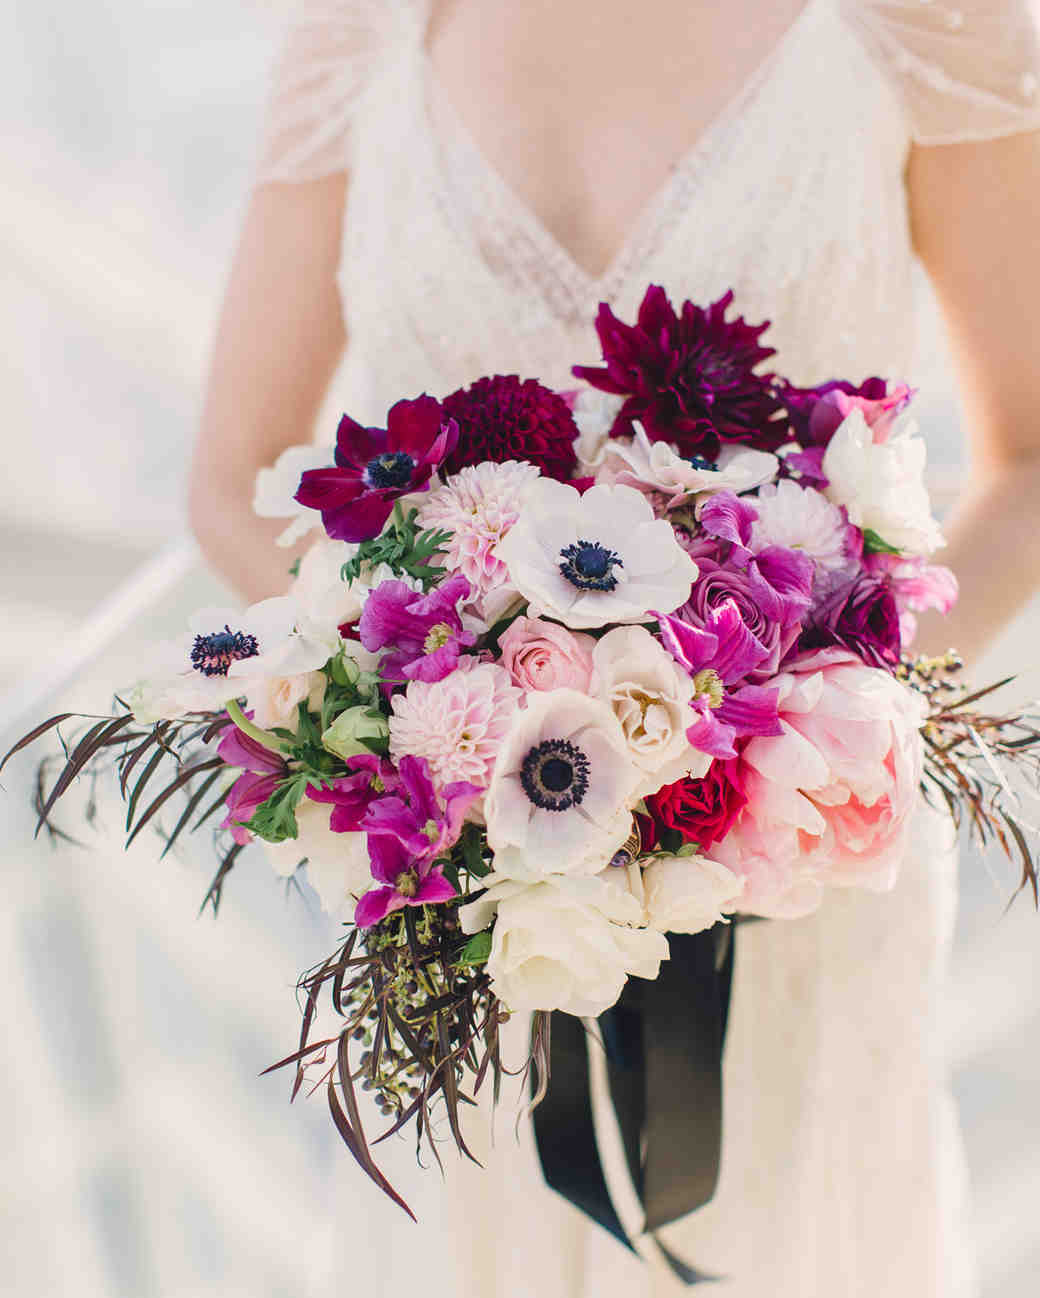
{"x": 663, "y": 1041}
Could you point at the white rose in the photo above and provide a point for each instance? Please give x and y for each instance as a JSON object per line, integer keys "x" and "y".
{"x": 881, "y": 484}
{"x": 649, "y": 693}
{"x": 686, "y": 894}
{"x": 564, "y": 944}
{"x": 337, "y": 864}
{"x": 274, "y": 699}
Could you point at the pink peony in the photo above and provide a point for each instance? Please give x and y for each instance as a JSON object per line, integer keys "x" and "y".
{"x": 457, "y": 724}
{"x": 541, "y": 655}
{"x": 829, "y": 801}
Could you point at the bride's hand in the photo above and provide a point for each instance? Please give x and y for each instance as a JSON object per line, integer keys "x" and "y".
{"x": 975, "y": 211}
{"x": 279, "y": 340}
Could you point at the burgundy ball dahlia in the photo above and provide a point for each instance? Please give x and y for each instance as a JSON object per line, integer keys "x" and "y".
{"x": 688, "y": 379}
{"x": 508, "y": 418}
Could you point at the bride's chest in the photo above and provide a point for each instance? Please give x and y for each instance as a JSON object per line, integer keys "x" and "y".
{"x": 793, "y": 196}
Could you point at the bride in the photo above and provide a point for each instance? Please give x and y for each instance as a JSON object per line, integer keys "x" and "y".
{"x": 450, "y": 187}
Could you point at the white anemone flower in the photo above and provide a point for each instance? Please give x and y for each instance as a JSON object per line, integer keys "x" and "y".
{"x": 563, "y": 783}
{"x": 881, "y": 484}
{"x": 563, "y": 943}
{"x": 225, "y": 653}
{"x": 660, "y": 467}
{"x": 593, "y": 559}
{"x": 276, "y": 487}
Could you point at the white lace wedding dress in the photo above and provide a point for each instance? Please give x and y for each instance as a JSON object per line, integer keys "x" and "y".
{"x": 841, "y": 1175}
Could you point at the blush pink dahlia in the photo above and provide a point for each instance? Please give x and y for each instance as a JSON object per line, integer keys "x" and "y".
{"x": 478, "y": 506}
{"x": 504, "y": 418}
{"x": 457, "y": 724}
{"x": 376, "y": 466}
{"x": 689, "y": 378}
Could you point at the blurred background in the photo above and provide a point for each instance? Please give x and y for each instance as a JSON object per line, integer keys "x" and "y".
{"x": 141, "y": 1155}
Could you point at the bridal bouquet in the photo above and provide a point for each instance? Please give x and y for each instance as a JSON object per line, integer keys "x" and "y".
{"x": 568, "y": 672}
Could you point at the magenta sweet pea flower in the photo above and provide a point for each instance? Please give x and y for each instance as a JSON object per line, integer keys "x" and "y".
{"x": 262, "y": 772}
{"x": 407, "y": 831}
{"x": 406, "y": 882}
{"x": 351, "y": 796}
{"x": 422, "y": 634}
{"x": 375, "y": 466}
{"x": 714, "y": 660}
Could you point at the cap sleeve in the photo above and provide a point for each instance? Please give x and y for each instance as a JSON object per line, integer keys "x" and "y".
{"x": 964, "y": 71}
{"x": 331, "y": 56}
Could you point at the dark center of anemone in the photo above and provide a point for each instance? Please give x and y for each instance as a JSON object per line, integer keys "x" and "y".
{"x": 391, "y": 469}
{"x": 589, "y": 565}
{"x": 213, "y": 654}
{"x": 555, "y": 775}
{"x": 700, "y": 463}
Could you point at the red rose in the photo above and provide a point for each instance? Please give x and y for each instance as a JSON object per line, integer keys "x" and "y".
{"x": 704, "y": 810}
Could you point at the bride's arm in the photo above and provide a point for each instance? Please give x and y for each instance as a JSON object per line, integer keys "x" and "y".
{"x": 975, "y": 210}
{"x": 279, "y": 340}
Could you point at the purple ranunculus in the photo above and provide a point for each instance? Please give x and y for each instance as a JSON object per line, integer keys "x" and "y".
{"x": 689, "y": 377}
{"x": 817, "y": 413}
{"x": 770, "y": 592}
{"x": 422, "y": 634}
{"x": 860, "y": 615}
{"x": 375, "y": 466}
{"x": 262, "y": 772}
{"x": 407, "y": 830}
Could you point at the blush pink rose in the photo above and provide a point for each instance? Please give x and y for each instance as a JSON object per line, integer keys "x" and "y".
{"x": 541, "y": 655}
{"x": 830, "y": 801}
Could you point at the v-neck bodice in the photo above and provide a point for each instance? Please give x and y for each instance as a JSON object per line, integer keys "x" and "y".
{"x": 793, "y": 197}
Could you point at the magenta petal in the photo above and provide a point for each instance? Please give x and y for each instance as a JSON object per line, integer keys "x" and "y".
{"x": 433, "y": 889}
{"x": 690, "y": 646}
{"x": 413, "y": 426}
{"x": 790, "y": 573}
{"x": 388, "y": 617}
{"x": 360, "y": 519}
{"x": 328, "y": 489}
{"x": 739, "y": 650}
{"x": 752, "y": 710}
{"x": 356, "y": 445}
{"x": 710, "y": 735}
{"x": 432, "y": 667}
{"x": 728, "y": 517}
{"x": 239, "y": 749}
{"x": 389, "y": 857}
{"x": 376, "y": 905}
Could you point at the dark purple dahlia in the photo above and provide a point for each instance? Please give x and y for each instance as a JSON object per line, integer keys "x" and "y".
{"x": 860, "y": 615}
{"x": 376, "y": 466}
{"x": 504, "y": 418}
{"x": 689, "y": 378}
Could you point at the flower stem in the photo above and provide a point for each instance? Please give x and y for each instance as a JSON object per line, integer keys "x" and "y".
{"x": 263, "y": 737}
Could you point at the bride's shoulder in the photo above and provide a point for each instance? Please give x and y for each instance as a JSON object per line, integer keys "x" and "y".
{"x": 330, "y": 55}
{"x": 965, "y": 69}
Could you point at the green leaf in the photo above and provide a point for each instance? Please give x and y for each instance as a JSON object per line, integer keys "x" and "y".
{"x": 275, "y": 820}
{"x": 294, "y": 568}
{"x": 472, "y": 843}
{"x": 873, "y": 544}
{"x": 476, "y": 951}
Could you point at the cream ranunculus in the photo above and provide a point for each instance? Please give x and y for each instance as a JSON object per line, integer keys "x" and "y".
{"x": 563, "y": 783}
{"x": 650, "y": 695}
{"x": 563, "y": 943}
{"x": 593, "y": 559}
{"x": 881, "y": 484}
{"x": 686, "y": 894}
{"x": 337, "y": 864}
